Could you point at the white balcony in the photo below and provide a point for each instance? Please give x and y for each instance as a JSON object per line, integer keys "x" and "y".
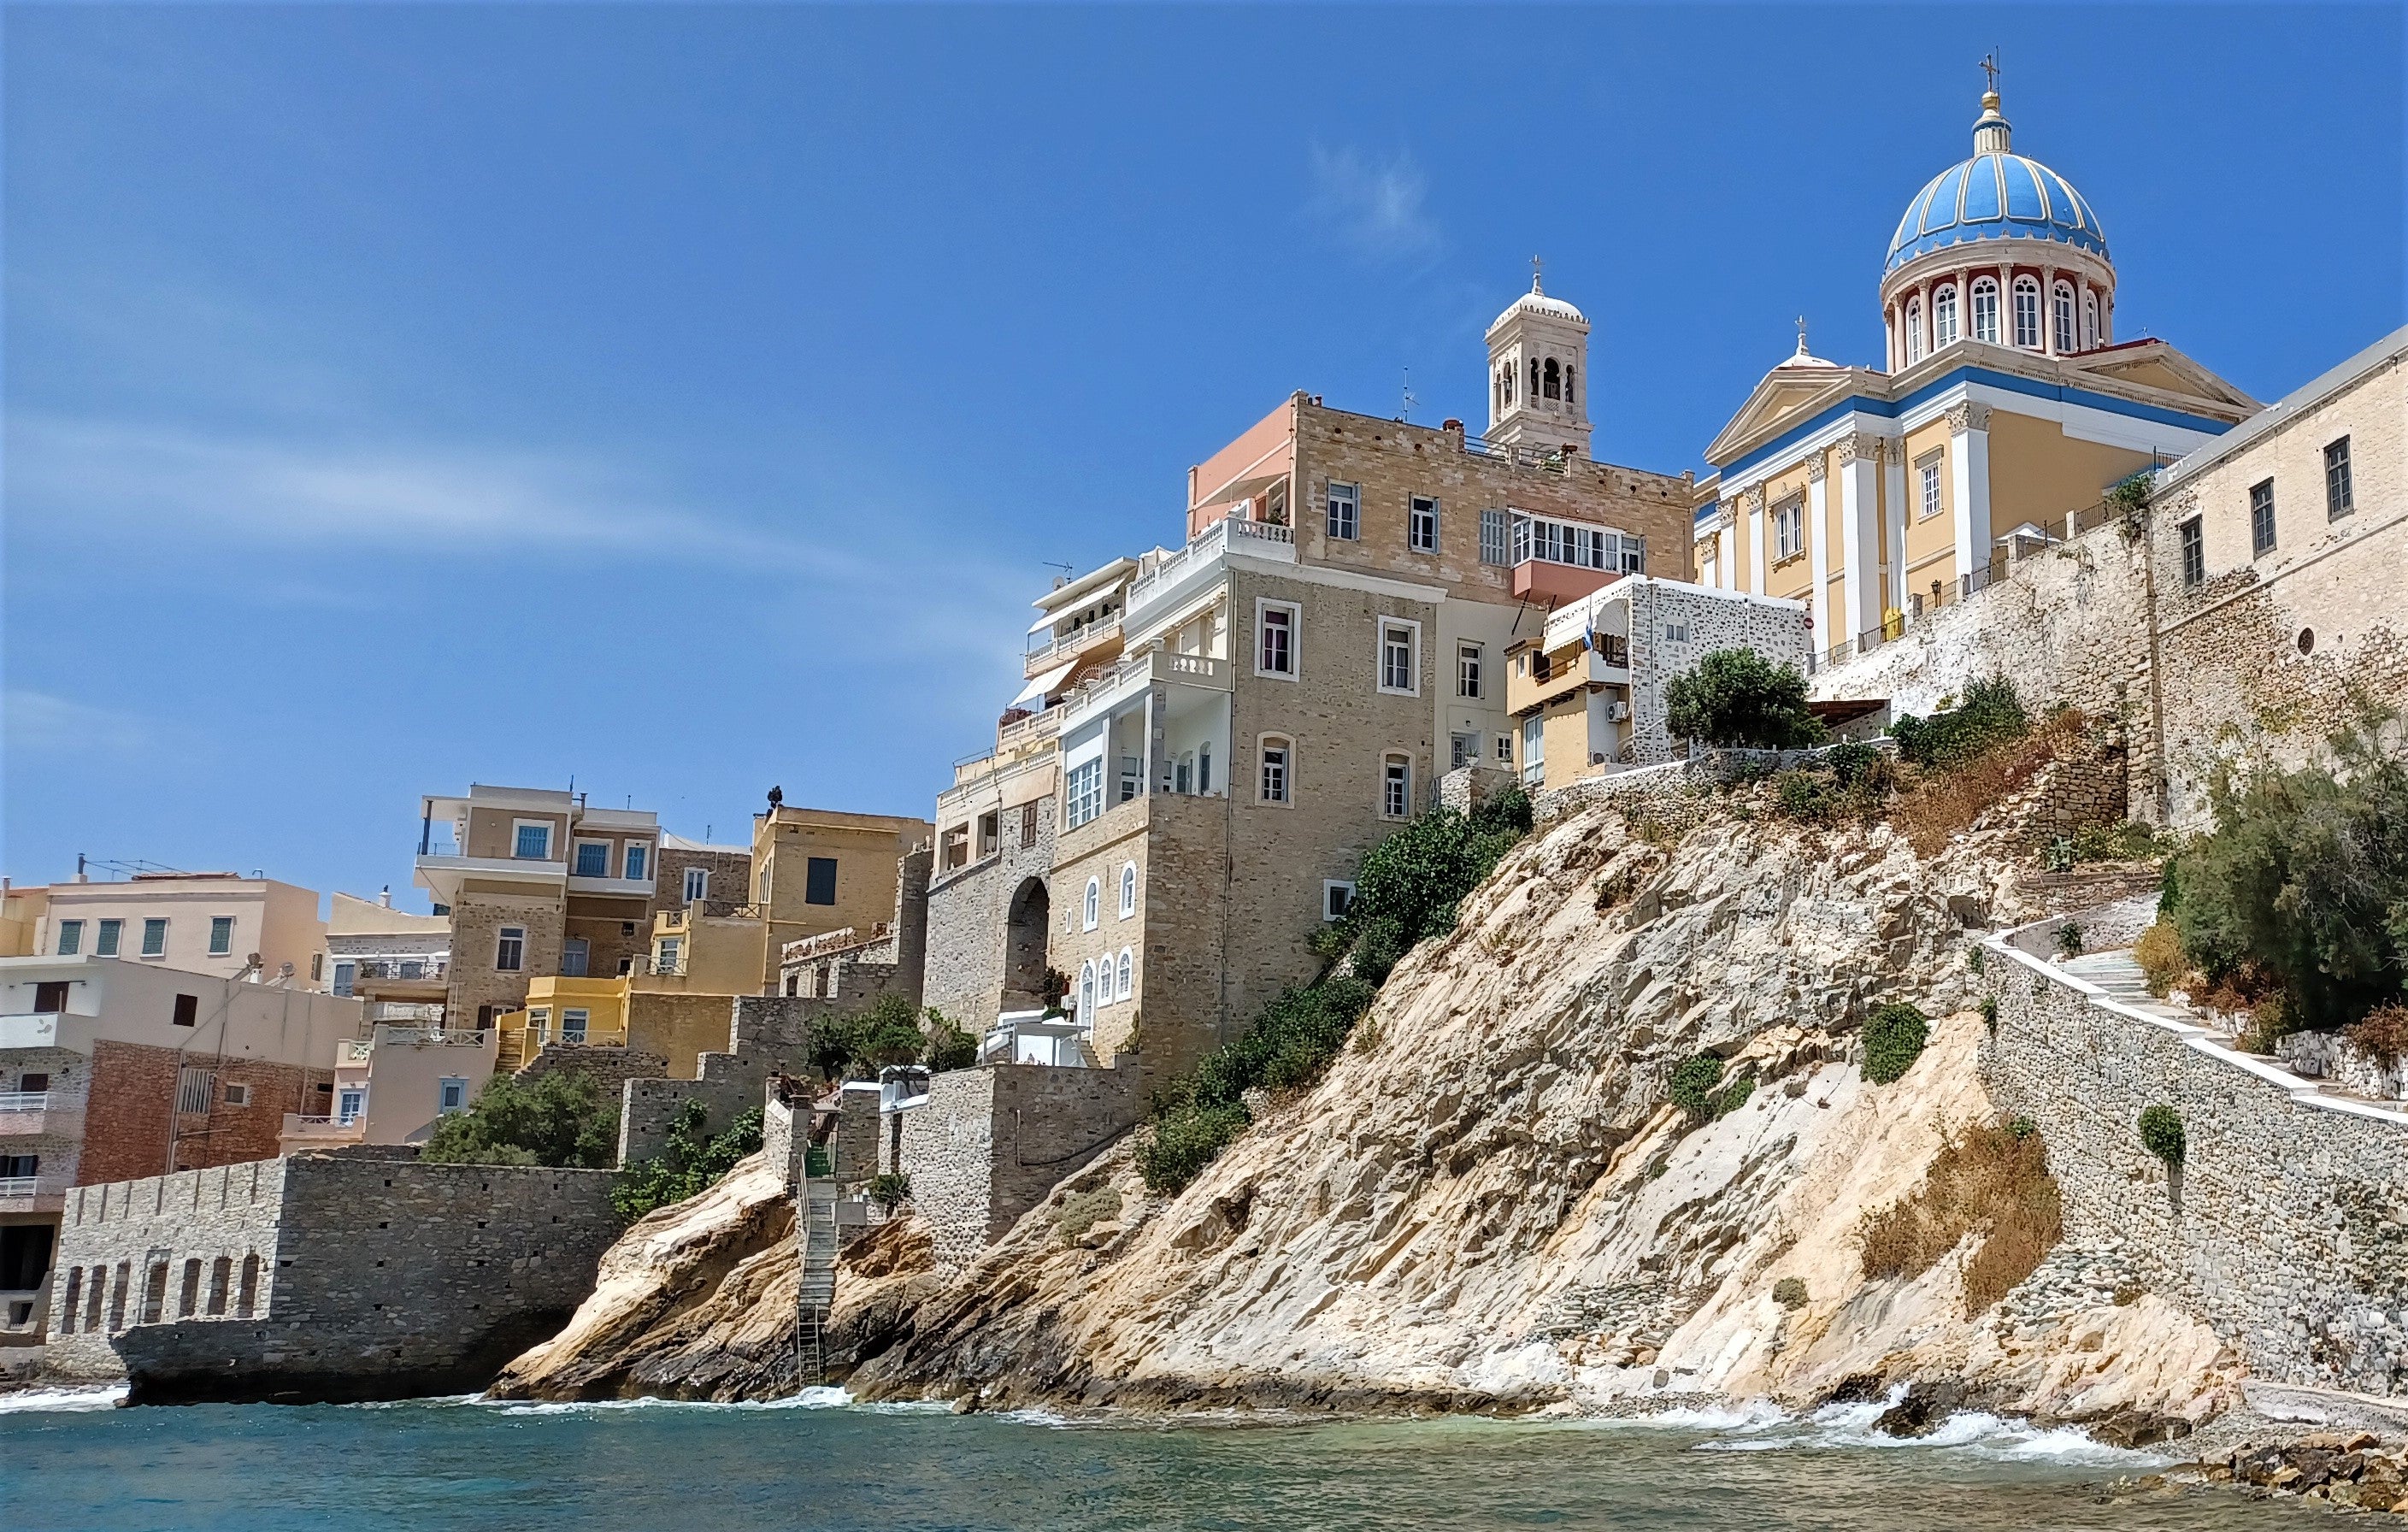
{"x": 1204, "y": 557}
{"x": 56, "y": 1114}
{"x": 39, "y": 1029}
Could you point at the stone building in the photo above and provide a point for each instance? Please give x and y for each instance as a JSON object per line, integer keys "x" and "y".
{"x": 361, "y": 1274}
{"x": 2277, "y": 560}
{"x": 1879, "y": 496}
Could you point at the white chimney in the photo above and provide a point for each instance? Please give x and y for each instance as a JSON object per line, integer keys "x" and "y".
{"x": 385, "y": 899}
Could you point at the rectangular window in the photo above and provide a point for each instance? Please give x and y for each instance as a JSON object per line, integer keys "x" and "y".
{"x": 1466, "y": 751}
{"x": 238, "y": 1095}
{"x": 640, "y": 861}
{"x": 1676, "y": 633}
{"x": 665, "y": 959}
{"x": 1335, "y": 897}
{"x": 451, "y": 1094}
{"x": 350, "y": 1102}
{"x": 70, "y": 938}
{"x": 2193, "y": 554}
{"x": 1534, "y": 749}
{"x": 1399, "y": 668}
{"x": 1084, "y": 796}
{"x": 509, "y": 950}
{"x": 576, "y": 953}
{"x": 1345, "y": 507}
{"x": 1421, "y": 525}
{"x": 573, "y": 1024}
{"x": 697, "y": 885}
{"x": 194, "y": 1089}
{"x": 2338, "y": 501}
{"x": 1275, "y": 771}
{"x": 1028, "y": 826}
{"x": 1495, "y": 537}
{"x": 1928, "y": 475}
{"x": 317, "y": 967}
{"x": 110, "y": 933}
{"x": 1275, "y": 639}
{"x": 2261, "y": 519}
{"x": 1789, "y": 529}
{"x": 592, "y": 858}
{"x": 344, "y": 975}
{"x": 154, "y": 939}
{"x": 49, "y": 998}
{"x": 819, "y": 881}
{"x": 1396, "y": 788}
{"x": 1505, "y": 749}
{"x": 187, "y": 1012}
{"x": 221, "y": 934}
{"x": 533, "y": 843}
{"x": 1467, "y": 670}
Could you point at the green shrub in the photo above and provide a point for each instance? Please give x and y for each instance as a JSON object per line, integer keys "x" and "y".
{"x": 1802, "y": 795}
{"x": 558, "y": 1119}
{"x": 1894, "y": 1039}
{"x": 1990, "y": 714}
{"x": 1731, "y": 1098}
{"x": 2161, "y": 956}
{"x": 1185, "y": 1140}
{"x": 1975, "y": 958}
{"x": 2161, "y": 1133}
{"x": 2131, "y": 841}
{"x": 1790, "y": 1292}
{"x": 890, "y": 1189}
{"x": 1692, "y": 1086}
{"x": 1737, "y": 698}
{"x": 688, "y": 1164}
{"x": 2021, "y": 1128}
{"x": 2302, "y": 884}
{"x": 2068, "y": 940}
{"x": 1410, "y": 886}
{"x": 949, "y": 1046}
{"x": 1082, "y": 1210}
{"x": 1990, "y": 1013}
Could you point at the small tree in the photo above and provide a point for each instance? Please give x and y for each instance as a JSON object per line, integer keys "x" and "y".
{"x": 1894, "y": 1039}
{"x": 690, "y": 1162}
{"x": 1737, "y": 698}
{"x": 949, "y": 1046}
{"x": 2161, "y": 1133}
{"x": 558, "y": 1119}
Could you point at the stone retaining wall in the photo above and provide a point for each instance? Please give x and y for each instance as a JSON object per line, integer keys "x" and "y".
{"x": 351, "y": 1275}
{"x": 992, "y": 1141}
{"x": 2286, "y": 1226}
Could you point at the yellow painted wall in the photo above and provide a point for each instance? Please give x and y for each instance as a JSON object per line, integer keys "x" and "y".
{"x": 1566, "y": 737}
{"x": 1931, "y": 540}
{"x": 681, "y": 1028}
{"x": 2038, "y": 473}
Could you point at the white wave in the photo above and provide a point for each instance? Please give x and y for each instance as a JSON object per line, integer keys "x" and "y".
{"x": 62, "y": 1400}
{"x": 1843, "y": 1427}
{"x": 810, "y": 1398}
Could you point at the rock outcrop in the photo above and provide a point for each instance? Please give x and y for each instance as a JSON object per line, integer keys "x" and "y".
{"x": 1487, "y": 1202}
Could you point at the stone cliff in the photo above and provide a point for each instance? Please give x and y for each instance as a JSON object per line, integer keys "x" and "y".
{"x": 1487, "y": 1203}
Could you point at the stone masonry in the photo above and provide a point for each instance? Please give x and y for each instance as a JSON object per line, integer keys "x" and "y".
{"x": 992, "y": 1141}
{"x": 354, "y": 1275}
{"x": 2285, "y": 1226}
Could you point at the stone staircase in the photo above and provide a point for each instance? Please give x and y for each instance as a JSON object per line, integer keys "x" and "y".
{"x": 2120, "y": 976}
{"x": 816, "y": 1241}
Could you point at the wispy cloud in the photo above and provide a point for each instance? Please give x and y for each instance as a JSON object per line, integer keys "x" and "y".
{"x": 1377, "y": 208}
{"x": 38, "y": 722}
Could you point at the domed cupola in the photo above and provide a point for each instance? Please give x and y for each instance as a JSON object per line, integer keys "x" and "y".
{"x": 1999, "y": 249}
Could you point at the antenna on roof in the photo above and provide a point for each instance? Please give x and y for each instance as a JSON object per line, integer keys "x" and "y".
{"x": 1404, "y": 407}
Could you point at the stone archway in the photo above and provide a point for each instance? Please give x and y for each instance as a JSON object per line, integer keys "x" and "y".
{"x": 1025, "y": 932}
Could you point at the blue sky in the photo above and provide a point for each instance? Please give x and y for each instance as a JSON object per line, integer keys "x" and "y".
{"x": 687, "y": 400}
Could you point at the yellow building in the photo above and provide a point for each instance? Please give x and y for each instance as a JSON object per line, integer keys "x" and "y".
{"x": 563, "y": 1013}
{"x": 818, "y": 869}
{"x": 2005, "y": 409}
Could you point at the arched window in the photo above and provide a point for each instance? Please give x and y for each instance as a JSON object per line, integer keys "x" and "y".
{"x": 2063, "y": 303}
{"x": 1496, "y": 389}
{"x": 1092, "y": 910}
{"x": 1568, "y": 382}
{"x": 2089, "y": 320}
{"x": 1986, "y": 310}
{"x": 2028, "y": 313}
{"x": 1553, "y": 386}
{"x": 1510, "y": 371}
{"x": 1087, "y": 991}
{"x": 1943, "y": 317}
{"x": 1127, "y": 985}
{"x": 1534, "y": 378}
{"x": 1913, "y": 330}
{"x": 1128, "y": 890}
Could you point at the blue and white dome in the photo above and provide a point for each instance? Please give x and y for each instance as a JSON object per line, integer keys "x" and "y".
{"x": 1995, "y": 195}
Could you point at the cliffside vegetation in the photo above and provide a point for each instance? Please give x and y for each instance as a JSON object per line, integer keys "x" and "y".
{"x": 889, "y": 1030}
{"x": 1736, "y": 698}
{"x": 1408, "y": 888}
{"x": 689, "y": 1163}
{"x": 1989, "y": 1179}
{"x": 558, "y": 1119}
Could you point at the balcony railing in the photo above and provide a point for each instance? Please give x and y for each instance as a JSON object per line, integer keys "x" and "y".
{"x": 1261, "y": 539}
{"x": 1070, "y": 645}
{"x": 25, "y": 1100}
{"x": 17, "y": 1186}
{"x": 1022, "y": 733}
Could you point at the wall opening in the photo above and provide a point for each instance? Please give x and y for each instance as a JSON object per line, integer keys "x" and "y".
{"x": 1023, "y": 946}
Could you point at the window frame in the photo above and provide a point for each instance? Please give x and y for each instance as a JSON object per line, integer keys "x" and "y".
{"x": 812, "y": 885}
{"x": 1417, "y": 509}
{"x": 1930, "y": 474}
{"x": 1282, "y": 746}
{"x": 2191, "y": 543}
{"x": 1348, "y": 526}
{"x": 1470, "y": 663}
{"x": 1497, "y": 537}
{"x": 109, "y": 938}
{"x": 451, "y": 1094}
{"x": 575, "y": 1022}
{"x": 519, "y": 827}
{"x": 697, "y": 884}
{"x": 1128, "y": 890}
{"x": 1947, "y": 309}
{"x": 154, "y": 925}
{"x": 69, "y": 940}
{"x": 1330, "y": 886}
{"x": 636, "y": 861}
{"x": 1411, "y": 629}
{"x": 2263, "y": 537}
{"x": 1091, "y": 903}
{"x": 1978, "y": 289}
{"x": 1294, "y": 627}
{"x": 510, "y": 941}
{"x": 2067, "y": 311}
{"x": 576, "y": 849}
{"x": 2341, "y": 490}
{"x": 346, "y": 979}
{"x": 1396, "y": 785}
{"x": 1124, "y": 975}
{"x": 2028, "y": 287}
{"x": 668, "y": 955}
{"x": 221, "y": 935}
{"x": 1789, "y": 529}
{"x": 1915, "y": 347}
{"x": 1083, "y": 795}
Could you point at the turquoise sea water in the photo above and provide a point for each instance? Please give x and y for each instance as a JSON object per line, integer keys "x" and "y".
{"x": 826, "y": 1464}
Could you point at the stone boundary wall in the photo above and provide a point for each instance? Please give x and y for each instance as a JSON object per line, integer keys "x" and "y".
{"x": 992, "y": 1141}
{"x": 2327, "y": 1055}
{"x": 604, "y": 1065}
{"x": 1675, "y": 793}
{"x": 379, "y": 1277}
{"x": 2286, "y": 1226}
{"x": 1467, "y": 788}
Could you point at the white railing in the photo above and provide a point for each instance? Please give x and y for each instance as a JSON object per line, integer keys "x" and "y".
{"x": 16, "y": 1186}
{"x": 25, "y": 1100}
{"x": 1068, "y": 645}
{"x": 1262, "y": 539}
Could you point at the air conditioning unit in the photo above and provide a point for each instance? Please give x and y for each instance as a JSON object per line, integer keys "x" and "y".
{"x": 1619, "y": 713}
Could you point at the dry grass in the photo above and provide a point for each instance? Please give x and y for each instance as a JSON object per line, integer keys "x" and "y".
{"x": 2161, "y": 956}
{"x": 1985, "y": 1181}
{"x": 2383, "y": 1034}
{"x": 1944, "y": 803}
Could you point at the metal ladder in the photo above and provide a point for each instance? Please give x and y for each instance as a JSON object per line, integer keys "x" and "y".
{"x": 815, "y": 1237}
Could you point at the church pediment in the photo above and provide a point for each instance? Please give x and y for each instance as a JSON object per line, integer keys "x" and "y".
{"x": 1783, "y": 397}
{"x": 2160, "y": 368}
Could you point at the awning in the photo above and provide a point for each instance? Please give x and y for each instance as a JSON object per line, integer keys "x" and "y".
{"x": 1042, "y": 684}
{"x": 1044, "y": 622}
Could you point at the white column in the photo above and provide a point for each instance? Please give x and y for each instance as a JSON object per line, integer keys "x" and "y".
{"x": 1895, "y": 516}
{"x": 1755, "y": 541}
{"x": 1969, "y": 483}
{"x": 2050, "y": 341}
{"x": 1818, "y": 558}
{"x": 1726, "y": 555}
{"x": 1860, "y": 536}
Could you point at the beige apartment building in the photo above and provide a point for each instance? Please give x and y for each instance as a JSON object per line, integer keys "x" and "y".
{"x": 211, "y": 922}
{"x": 816, "y": 871}
{"x": 1213, "y": 737}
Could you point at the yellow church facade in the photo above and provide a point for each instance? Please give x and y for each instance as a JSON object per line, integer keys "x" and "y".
{"x": 2005, "y": 408}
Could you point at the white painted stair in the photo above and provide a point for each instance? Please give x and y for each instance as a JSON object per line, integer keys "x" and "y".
{"x": 815, "y": 1237}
